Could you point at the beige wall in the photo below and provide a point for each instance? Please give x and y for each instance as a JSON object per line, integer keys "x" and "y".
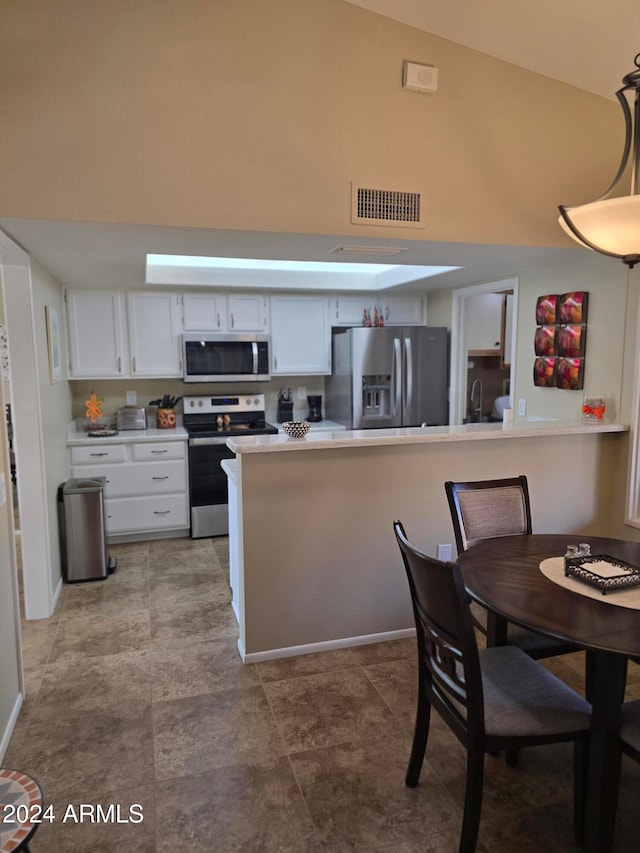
{"x": 113, "y": 392}
{"x": 605, "y": 280}
{"x": 257, "y": 114}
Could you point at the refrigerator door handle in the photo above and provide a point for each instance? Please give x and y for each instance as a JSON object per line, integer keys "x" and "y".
{"x": 396, "y": 387}
{"x": 408, "y": 375}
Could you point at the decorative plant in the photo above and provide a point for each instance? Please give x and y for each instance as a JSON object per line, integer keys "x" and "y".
{"x": 167, "y": 401}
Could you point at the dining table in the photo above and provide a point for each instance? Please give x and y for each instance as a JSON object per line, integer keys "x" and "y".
{"x": 504, "y": 575}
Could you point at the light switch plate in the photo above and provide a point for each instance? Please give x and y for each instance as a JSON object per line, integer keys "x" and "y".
{"x": 3, "y": 490}
{"x": 132, "y": 398}
{"x": 522, "y": 407}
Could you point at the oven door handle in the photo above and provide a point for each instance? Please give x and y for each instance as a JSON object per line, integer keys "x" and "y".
{"x": 254, "y": 352}
{"x": 201, "y": 442}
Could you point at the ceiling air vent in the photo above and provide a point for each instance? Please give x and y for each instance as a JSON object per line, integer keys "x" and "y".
{"x": 385, "y": 207}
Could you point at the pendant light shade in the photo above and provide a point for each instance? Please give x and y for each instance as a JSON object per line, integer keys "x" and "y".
{"x": 611, "y": 226}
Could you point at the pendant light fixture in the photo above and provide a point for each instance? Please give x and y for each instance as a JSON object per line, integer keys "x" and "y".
{"x": 611, "y": 226}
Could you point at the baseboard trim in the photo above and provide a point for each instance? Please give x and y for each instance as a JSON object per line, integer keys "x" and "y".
{"x": 11, "y": 723}
{"x": 327, "y": 646}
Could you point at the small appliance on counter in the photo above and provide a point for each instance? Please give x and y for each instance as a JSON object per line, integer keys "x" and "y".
{"x": 315, "y": 408}
{"x": 131, "y": 417}
{"x": 285, "y": 405}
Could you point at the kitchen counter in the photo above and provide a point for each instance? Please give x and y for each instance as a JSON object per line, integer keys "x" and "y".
{"x": 318, "y": 426}
{"x": 331, "y": 439}
{"x": 77, "y": 436}
{"x": 313, "y": 561}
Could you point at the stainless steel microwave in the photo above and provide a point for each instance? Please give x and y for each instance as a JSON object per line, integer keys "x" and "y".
{"x": 219, "y": 357}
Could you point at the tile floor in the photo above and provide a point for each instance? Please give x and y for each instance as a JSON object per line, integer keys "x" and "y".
{"x": 136, "y": 695}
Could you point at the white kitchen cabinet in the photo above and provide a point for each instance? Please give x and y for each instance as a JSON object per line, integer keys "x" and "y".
{"x": 154, "y": 333}
{"x": 349, "y": 310}
{"x": 403, "y": 310}
{"x": 204, "y": 312}
{"x": 97, "y": 337}
{"x": 300, "y": 335}
{"x": 484, "y": 324}
{"x": 248, "y": 312}
{"x": 146, "y": 490}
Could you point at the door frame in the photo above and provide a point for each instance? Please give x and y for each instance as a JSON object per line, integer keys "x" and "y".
{"x": 459, "y": 358}
{"x": 26, "y": 413}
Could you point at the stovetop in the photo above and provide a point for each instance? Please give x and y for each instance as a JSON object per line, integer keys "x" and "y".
{"x": 229, "y": 415}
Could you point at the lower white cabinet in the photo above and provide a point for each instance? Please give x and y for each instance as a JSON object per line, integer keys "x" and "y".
{"x": 146, "y": 487}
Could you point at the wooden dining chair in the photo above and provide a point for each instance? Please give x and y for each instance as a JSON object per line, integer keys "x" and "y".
{"x": 492, "y": 699}
{"x": 487, "y": 509}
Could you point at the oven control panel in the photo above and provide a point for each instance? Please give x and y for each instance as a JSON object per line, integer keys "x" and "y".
{"x": 223, "y": 404}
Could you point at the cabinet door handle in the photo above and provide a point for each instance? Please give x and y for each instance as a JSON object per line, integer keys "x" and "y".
{"x": 275, "y": 362}
{"x": 119, "y": 365}
{"x": 160, "y": 478}
{"x": 164, "y": 512}
{"x": 134, "y": 363}
{"x": 99, "y": 454}
{"x": 232, "y": 320}
{"x": 159, "y": 451}
{"x": 218, "y": 318}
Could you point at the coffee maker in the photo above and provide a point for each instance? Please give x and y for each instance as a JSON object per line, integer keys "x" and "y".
{"x": 315, "y": 408}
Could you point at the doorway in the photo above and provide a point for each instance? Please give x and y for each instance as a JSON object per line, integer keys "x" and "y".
{"x": 482, "y": 323}
{"x": 15, "y": 279}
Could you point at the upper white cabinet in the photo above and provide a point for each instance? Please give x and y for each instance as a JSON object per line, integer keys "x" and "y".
{"x": 349, "y": 310}
{"x": 220, "y": 312}
{"x": 484, "y": 324}
{"x": 300, "y": 335}
{"x": 204, "y": 312}
{"x": 248, "y": 312}
{"x": 96, "y": 325}
{"x": 154, "y": 333}
{"x": 406, "y": 310}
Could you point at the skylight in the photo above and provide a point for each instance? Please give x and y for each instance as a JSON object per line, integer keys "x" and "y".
{"x": 190, "y": 270}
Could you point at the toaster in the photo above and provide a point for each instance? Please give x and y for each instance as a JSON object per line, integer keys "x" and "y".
{"x": 132, "y": 417}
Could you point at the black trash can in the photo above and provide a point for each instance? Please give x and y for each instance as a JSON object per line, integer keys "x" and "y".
{"x": 83, "y": 539}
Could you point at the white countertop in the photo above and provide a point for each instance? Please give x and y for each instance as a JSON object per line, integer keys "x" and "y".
{"x": 330, "y": 440}
{"x": 77, "y": 436}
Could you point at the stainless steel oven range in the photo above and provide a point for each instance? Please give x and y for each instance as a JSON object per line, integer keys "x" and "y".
{"x": 210, "y": 421}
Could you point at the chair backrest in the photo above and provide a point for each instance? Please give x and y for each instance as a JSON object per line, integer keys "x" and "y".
{"x": 488, "y": 508}
{"x": 449, "y": 664}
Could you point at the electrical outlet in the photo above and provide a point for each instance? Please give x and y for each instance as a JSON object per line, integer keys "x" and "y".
{"x": 443, "y": 552}
{"x": 302, "y": 392}
{"x": 522, "y": 407}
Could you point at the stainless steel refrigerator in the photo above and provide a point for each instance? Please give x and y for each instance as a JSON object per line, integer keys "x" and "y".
{"x": 388, "y": 376}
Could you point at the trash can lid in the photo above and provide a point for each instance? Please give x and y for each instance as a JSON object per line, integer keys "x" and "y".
{"x": 88, "y": 484}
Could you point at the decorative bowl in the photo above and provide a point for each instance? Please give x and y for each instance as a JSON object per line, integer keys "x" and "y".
{"x": 296, "y": 429}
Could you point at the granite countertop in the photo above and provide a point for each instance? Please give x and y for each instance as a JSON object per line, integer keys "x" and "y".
{"x": 330, "y": 440}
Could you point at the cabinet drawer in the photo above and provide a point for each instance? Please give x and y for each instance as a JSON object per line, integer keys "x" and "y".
{"x": 160, "y": 450}
{"x": 161, "y": 512}
{"x": 141, "y": 478}
{"x": 98, "y": 453}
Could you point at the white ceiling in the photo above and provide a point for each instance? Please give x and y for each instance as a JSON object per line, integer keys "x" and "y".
{"x": 587, "y": 43}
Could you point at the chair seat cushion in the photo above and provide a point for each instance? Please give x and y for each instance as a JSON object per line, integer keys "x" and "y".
{"x": 521, "y": 697}
{"x": 630, "y": 724}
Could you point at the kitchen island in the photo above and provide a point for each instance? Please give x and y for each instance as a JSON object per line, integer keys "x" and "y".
{"x": 315, "y": 563}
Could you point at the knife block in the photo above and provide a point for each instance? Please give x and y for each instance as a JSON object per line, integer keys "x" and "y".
{"x": 285, "y": 411}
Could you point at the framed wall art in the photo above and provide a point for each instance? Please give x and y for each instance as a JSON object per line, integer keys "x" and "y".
{"x": 544, "y": 372}
{"x": 560, "y": 340}
{"x": 53, "y": 344}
